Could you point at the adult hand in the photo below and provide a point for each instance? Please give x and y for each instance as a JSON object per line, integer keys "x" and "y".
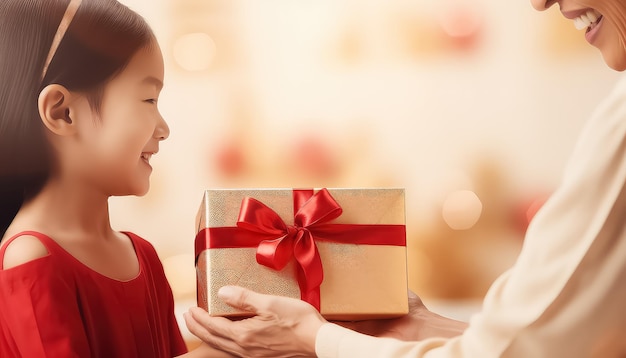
{"x": 419, "y": 324}
{"x": 279, "y": 327}
{"x": 204, "y": 350}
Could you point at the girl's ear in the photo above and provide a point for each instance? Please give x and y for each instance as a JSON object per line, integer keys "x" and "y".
{"x": 55, "y": 110}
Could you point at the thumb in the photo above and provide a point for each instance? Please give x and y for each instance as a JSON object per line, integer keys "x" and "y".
{"x": 239, "y": 297}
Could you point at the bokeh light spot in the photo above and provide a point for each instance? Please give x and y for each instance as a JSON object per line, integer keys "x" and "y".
{"x": 462, "y": 209}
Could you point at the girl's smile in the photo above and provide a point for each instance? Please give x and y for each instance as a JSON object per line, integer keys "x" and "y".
{"x": 146, "y": 157}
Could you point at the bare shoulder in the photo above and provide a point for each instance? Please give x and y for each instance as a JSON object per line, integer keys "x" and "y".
{"x": 23, "y": 249}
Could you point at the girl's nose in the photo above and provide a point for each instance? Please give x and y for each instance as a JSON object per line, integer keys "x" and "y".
{"x": 162, "y": 130}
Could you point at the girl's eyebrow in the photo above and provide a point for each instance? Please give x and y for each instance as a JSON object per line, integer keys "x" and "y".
{"x": 151, "y": 80}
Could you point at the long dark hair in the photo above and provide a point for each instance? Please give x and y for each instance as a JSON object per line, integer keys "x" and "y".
{"x": 98, "y": 44}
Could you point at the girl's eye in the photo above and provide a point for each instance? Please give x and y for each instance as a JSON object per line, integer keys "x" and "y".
{"x": 151, "y": 101}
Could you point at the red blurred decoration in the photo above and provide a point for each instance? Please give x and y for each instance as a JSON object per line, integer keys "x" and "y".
{"x": 313, "y": 157}
{"x": 527, "y": 209}
{"x": 462, "y": 27}
{"x": 230, "y": 159}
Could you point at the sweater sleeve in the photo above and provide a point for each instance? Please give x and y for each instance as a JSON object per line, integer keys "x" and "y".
{"x": 565, "y": 293}
{"x": 40, "y": 316}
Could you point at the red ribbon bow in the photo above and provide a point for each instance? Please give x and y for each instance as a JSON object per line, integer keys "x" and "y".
{"x": 277, "y": 243}
{"x": 292, "y": 240}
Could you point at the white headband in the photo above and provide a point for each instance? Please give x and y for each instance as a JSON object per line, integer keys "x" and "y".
{"x": 58, "y": 37}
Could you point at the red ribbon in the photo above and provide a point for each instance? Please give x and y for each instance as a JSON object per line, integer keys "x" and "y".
{"x": 277, "y": 243}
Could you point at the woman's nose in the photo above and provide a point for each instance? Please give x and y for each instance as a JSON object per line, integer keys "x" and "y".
{"x": 541, "y": 5}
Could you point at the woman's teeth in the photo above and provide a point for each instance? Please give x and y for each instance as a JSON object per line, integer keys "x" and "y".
{"x": 587, "y": 20}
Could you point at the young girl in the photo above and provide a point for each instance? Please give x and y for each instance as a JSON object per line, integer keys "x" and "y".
{"x": 79, "y": 84}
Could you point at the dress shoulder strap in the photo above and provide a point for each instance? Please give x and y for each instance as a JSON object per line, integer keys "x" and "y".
{"x": 50, "y": 244}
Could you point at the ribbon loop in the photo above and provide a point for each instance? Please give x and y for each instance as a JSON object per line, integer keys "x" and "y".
{"x": 276, "y": 253}
{"x": 320, "y": 208}
{"x": 258, "y": 217}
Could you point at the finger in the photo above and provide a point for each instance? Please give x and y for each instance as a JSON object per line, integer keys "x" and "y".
{"x": 194, "y": 327}
{"x": 205, "y": 325}
{"x": 259, "y": 304}
{"x": 242, "y": 298}
{"x": 203, "y": 331}
{"x": 415, "y": 302}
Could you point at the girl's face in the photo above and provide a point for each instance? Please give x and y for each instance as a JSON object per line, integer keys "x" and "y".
{"x": 117, "y": 144}
{"x": 604, "y": 24}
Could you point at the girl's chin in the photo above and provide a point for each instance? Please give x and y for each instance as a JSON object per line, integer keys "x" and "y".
{"x": 138, "y": 190}
{"x": 143, "y": 191}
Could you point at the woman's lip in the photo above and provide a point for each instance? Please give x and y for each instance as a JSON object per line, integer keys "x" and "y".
{"x": 572, "y": 14}
{"x": 591, "y": 35}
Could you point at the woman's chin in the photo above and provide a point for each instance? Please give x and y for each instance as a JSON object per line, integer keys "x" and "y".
{"x": 616, "y": 61}
{"x": 617, "y": 66}
{"x": 614, "y": 57}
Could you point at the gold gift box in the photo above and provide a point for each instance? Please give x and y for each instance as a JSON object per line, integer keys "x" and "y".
{"x": 360, "y": 281}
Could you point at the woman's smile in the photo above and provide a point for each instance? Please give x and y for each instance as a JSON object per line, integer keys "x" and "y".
{"x": 593, "y": 29}
{"x": 589, "y": 20}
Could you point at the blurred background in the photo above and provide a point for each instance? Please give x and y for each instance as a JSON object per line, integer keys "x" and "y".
{"x": 471, "y": 105}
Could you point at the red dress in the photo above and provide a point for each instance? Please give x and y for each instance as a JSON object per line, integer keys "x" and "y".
{"x": 55, "y": 306}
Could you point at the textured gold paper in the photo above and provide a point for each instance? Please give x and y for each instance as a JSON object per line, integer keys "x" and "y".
{"x": 360, "y": 281}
